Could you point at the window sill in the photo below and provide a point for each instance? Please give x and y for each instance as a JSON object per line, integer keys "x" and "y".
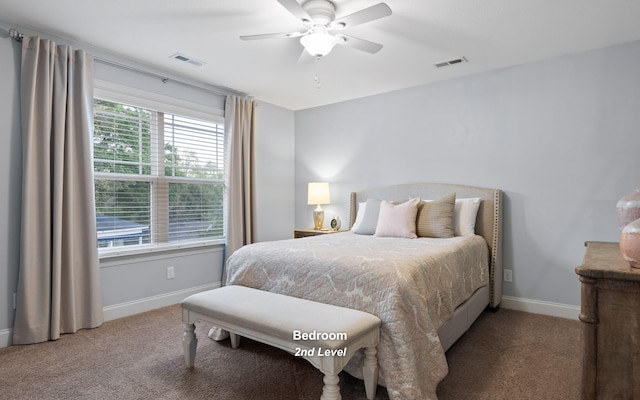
{"x": 114, "y": 253}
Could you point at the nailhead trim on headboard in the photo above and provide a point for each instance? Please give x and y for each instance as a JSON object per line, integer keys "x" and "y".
{"x": 497, "y": 207}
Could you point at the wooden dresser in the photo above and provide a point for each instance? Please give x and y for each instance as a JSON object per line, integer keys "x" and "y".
{"x": 610, "y": 312}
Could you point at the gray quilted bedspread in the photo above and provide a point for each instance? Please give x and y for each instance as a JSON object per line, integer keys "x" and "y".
{"x": 412, "y": 285}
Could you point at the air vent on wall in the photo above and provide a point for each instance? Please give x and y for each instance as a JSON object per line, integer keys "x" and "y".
{"x": 187, "y": 59}
{"x": 450, "y": 62}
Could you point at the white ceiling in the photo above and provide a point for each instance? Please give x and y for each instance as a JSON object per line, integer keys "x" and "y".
{"x": 489, "y": 33}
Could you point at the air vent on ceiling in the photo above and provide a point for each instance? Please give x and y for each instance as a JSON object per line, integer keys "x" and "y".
{"x": 187, "y": 59}
{"x": 451, "y": 62}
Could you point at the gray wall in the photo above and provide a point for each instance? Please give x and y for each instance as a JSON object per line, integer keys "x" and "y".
{"x": 274, "y": 173}
{"x": 560, "y": 137}
{"x": 10, "y": 177}
{"x": 135, "y": 282}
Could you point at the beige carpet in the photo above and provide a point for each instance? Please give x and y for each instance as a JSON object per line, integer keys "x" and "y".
{"x": 506, "y": 355}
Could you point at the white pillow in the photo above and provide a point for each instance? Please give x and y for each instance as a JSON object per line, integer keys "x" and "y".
{"x": 465, "y": 213}
{"x": 359, "y": 215}
{"x": 369, "y": 218}
{"x": 398, "y": 220}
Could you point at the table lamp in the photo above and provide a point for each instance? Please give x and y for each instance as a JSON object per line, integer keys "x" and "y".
{"x": 318, "y": 193}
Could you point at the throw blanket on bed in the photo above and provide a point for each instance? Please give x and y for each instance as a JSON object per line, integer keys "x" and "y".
{"x": 412, "y": 285}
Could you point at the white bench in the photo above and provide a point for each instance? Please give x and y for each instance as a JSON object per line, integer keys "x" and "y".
{"x": 325, "y": 335}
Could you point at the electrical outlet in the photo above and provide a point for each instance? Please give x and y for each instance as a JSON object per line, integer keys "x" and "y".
{"x": 171, "y": 273}
{"x": 507, "y": 275}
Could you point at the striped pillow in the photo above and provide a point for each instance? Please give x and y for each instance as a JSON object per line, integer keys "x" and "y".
{"x": 435, "y": 218}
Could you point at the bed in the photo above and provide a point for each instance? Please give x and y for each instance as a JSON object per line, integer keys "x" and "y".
{"x": 427, "y": 291}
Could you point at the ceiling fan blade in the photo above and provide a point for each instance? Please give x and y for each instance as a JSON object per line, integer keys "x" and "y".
{"x": 378, "y": 11}
{"x": 272, "y": 35}
{"x": 360, "y": 44}
{"x": 296, "y": 9}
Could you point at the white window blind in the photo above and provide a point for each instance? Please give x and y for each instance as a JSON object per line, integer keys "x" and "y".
{"x": 159, "y": 177}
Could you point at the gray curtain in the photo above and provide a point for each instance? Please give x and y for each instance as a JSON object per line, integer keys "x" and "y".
{"x": 58, "y": 284}
{"x": 239, "y": 137}
{"x": 239, "y": 125}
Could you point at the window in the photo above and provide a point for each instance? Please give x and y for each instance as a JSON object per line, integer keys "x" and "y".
{"x": 159, "y": 177}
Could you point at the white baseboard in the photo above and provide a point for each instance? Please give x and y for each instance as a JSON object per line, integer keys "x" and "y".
{"x": 540, "y": 307}
{"x": 151, "y": 303}
{"x": 5, "y": 337}
{"x": 132, "y": 307}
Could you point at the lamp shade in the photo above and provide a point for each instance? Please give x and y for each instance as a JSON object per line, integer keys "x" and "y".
{"x": 318, "y": 193}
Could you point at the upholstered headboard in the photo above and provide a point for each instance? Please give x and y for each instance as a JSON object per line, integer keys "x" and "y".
{"x": 488, "y": 221}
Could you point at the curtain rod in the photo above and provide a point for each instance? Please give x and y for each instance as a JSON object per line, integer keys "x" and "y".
{"x": 163, "y": 78}
{"x": 17, "y": 36}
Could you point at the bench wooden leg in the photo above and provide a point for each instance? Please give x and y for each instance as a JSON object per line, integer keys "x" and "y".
{"x": 331, "y": 389}
{"x": 189, "y": 344}
{"x": 235, "y": 340}
{"x": 370, "y": 372}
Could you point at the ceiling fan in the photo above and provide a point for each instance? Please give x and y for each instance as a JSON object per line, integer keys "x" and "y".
{"x": 319, "y": 21}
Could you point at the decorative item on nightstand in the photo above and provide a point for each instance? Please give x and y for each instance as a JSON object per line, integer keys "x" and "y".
{"x": 318, "y": 193}
{"x": 335, "y": 223}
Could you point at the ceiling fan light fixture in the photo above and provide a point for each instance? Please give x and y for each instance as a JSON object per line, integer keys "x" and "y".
{"x": 318, "y": 43}
{"x": 318, "y": 17}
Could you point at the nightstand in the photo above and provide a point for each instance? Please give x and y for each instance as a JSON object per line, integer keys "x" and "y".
{"x": 300, "y": 233}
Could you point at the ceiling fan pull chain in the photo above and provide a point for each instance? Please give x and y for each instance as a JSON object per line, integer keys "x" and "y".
{"x": 317, "y": 77}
